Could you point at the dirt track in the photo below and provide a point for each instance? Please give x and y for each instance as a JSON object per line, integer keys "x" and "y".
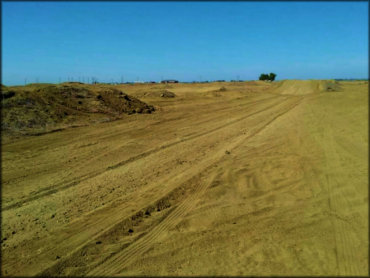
{"x": 259, "y": 179}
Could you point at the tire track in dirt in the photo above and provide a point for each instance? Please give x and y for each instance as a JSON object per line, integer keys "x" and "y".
{"x": 118, "y": 262}
{"x": 100, "y": 220}
{"x": 345, "y": 245}
{"x": 121, "y": 260}
{"x": 339, "y": 202}
{"x": 62, "y": 186}
{"x": 188, "y": 138}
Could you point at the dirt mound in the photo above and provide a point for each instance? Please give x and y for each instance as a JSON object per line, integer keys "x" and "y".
{"x": 6, "y": 93}
{"x": 216, "y": 93}
{"x": 304, "y": 87}
{"x": 167, "y": 94}
{"x": 330, "y": 86}
{"x": 157, "y": 93}
{"x": 121, "y": 102}
{"x": 53, "y": 106}
{"x": 72, "y": 83}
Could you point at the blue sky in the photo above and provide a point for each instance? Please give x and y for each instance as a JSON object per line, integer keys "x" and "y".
{"x": 52, "y": 41}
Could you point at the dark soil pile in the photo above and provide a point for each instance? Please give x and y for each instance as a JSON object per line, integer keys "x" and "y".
{"x": 50, "y": 107}
{"x": 6, "y": 93}
{"x": 120, "y": 102}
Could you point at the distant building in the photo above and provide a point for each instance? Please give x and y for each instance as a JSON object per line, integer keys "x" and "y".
{"x": 170, "y": 81}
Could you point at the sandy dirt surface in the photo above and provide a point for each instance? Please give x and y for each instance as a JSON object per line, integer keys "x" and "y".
{"x": 251, "y": 179}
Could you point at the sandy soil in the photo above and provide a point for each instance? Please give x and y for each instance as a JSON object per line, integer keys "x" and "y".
{"x": 257, "y": 179}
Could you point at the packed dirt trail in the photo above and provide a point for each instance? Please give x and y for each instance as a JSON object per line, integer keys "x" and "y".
{"x": 253, "y": 179}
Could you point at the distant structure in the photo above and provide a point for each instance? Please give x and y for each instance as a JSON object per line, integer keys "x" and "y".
{"x": 170, "y": 81}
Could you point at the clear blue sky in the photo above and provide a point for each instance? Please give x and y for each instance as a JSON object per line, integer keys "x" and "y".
{"x": 48, "y": 41}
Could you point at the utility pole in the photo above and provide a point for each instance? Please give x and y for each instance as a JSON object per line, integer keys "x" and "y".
{"x": 25, "y": 81}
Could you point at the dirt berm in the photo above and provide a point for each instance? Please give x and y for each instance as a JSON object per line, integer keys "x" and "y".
{"x": 48, "y": 107}
{"x": 304, "y": 87}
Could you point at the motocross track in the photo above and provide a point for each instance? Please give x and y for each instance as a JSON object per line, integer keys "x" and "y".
{"x": 253, "y": 179}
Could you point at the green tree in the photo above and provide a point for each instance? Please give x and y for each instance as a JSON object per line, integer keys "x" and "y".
{"x": 264, "y": 76}
{"x": 272, "y": 76}
{"x": 269, "y": 77}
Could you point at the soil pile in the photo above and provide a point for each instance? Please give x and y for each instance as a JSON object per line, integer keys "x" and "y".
{"x": 330, "y": 86}
{"x": 6, "y": 93}
{"x": 154, "y": 93}
{"x": 52, "y": 106}
{"x": 167, "y": 94}
{"x": 116, "y": 101}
